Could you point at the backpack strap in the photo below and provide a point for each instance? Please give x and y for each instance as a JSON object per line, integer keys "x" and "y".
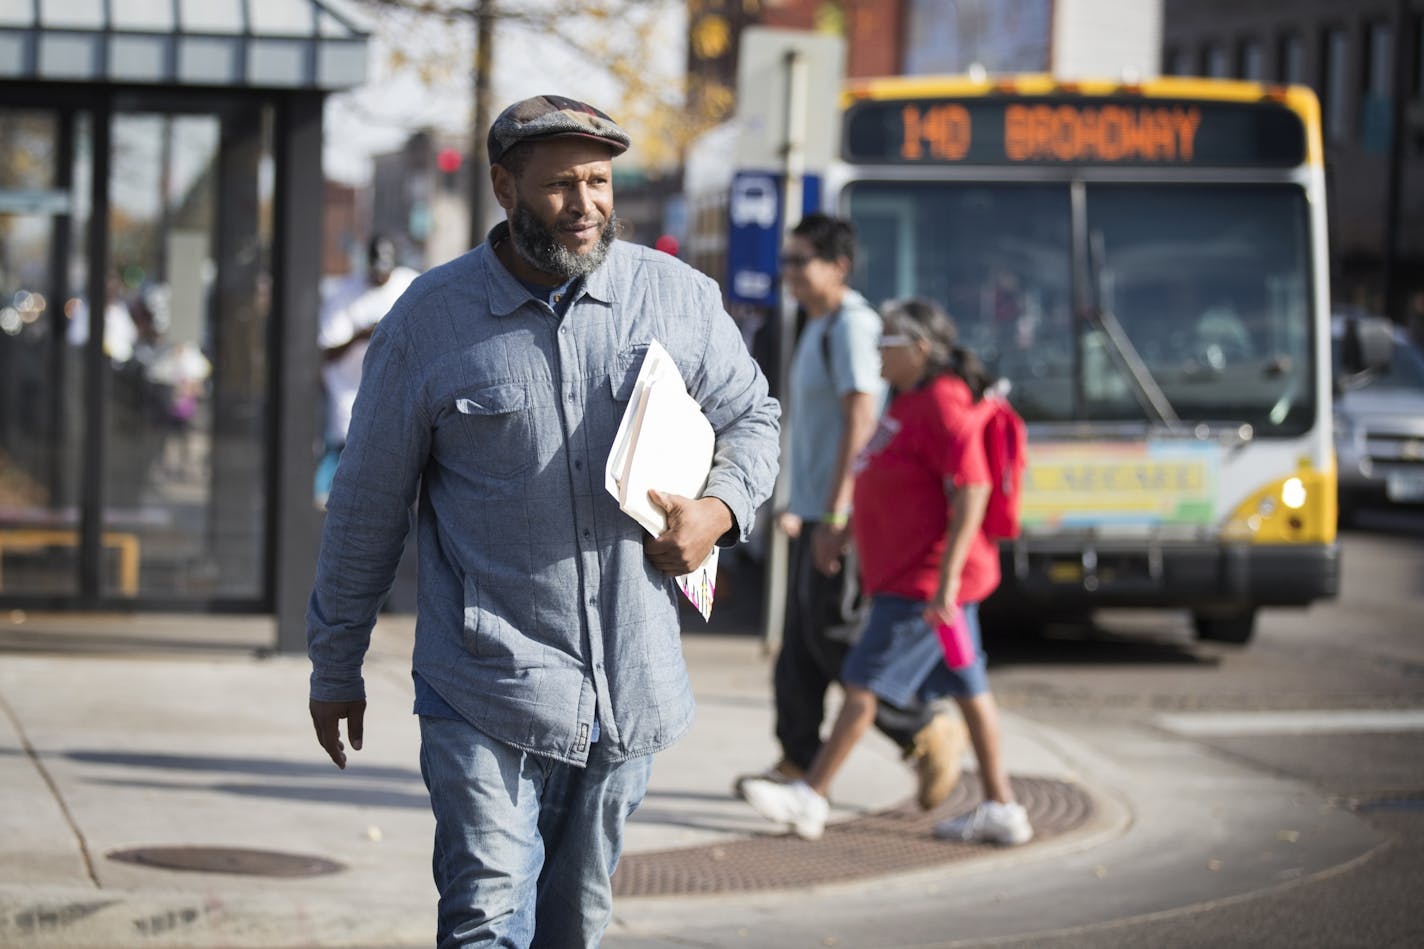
{"x": 826, "y": 342}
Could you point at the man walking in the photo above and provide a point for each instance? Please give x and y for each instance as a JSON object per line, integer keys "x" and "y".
{"x": 836, "y": 394}
{"x": 547, "y": 663}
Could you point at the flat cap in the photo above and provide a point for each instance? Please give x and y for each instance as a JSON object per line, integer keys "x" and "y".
{"x": 549, "y": 116}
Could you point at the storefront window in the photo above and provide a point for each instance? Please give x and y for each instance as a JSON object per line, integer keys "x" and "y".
{"x": 189, "y": 251}
{"x": 154, "y": 428}
{"x": 40, "y": 277}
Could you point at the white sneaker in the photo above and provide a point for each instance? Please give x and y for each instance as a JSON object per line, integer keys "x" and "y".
{"x": 992, "y": 822}
{"x": 783, "y": 772}
{"x": 794, "y": 804}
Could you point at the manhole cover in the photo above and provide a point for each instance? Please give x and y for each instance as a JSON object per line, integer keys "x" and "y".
{"x": 263, "y": 863}
{"x": 892, "y": 841}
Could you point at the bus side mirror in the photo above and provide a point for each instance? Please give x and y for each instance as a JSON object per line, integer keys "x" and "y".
{"x": 1367, "y": 345}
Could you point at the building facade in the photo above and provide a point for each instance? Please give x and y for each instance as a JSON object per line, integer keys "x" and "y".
{"x": 1363, "y": 59}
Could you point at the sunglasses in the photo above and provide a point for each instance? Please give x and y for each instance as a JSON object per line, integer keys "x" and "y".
{"x": 893, "y": 340}
{"x": 795, "y": 260}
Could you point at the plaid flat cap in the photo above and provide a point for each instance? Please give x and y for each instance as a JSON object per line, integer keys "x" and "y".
{"x": 548, "y": 116}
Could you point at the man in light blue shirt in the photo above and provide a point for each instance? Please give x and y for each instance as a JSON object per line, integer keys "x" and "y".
{"x": 547, "y": 659}
{"x": 836, "y": 396}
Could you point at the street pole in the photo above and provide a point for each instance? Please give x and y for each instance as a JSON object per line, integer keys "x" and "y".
{"x": 479, "y": 154}
{"x": 793, "y": 169}
{"x": 1399, "y": 86}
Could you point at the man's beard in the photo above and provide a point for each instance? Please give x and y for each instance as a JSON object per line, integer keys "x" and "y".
{"x": 541, "y": 249}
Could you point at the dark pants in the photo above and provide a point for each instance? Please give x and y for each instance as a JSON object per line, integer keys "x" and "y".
{"x": 810, "y": 661}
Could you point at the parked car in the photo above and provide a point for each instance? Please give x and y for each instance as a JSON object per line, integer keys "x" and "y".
{"x": 1379, "y": 415}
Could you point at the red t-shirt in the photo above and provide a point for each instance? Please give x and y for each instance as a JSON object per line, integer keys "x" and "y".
{"x": 930, "y": 440}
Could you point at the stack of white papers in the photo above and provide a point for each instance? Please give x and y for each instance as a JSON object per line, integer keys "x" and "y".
{"x": 664, "y": 443}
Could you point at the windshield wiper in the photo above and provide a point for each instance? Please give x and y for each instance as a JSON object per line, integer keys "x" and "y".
{"x": 1129, "y": 360}
{"x": 1149, "y": 394}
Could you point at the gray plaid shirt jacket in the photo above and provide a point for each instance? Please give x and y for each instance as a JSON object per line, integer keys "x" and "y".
{"x": 537, "y": 609}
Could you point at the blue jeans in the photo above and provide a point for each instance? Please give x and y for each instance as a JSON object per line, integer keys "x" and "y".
{"x": 525, "y": 846}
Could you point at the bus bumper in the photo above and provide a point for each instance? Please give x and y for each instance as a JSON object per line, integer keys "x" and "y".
{"x": 1191, "y": 576}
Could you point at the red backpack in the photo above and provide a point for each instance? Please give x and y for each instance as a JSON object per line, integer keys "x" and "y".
{"x": 1006, "y": 447}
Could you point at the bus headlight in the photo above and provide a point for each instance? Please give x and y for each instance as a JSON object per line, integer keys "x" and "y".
{"x": 1299, "y": 508}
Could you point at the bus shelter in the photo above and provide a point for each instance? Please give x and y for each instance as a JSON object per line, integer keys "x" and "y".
{"x": 160, "y": 242}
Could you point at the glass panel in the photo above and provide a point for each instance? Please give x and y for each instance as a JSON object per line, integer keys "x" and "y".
{"x": 186, "y": 391}
{"x": 1217, "y": 62}
{"x": 1292, "y": 64}
{"x": 281, "y": 18}
{"x": 237, "y": 521}
{"x": 1253, "y": 61}
{"x": 997, "y": 256}
{"x": 1337, "y": 46}
{"x": 1377, "y": 95}
{"x": 1379, "y": 68}
{"x": 17, "y": 12}
{"x": 1418, "y": 56}
{"x": 144, "y": 15}
{"x": 1216, "y": 303}
{"x": 1405, "y": 371}
{"x": 78, "y": 14}
{"x": 40, "y": 425}
{"x": 211, "y": 16}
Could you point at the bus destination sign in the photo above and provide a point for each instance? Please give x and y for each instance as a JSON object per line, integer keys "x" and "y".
{"x": 1055, "y": 131}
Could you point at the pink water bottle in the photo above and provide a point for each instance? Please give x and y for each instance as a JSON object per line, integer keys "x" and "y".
{"x": 954, "y": 639}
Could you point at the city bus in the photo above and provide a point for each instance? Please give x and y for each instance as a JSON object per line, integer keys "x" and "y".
{"x": 1144, "y": 266}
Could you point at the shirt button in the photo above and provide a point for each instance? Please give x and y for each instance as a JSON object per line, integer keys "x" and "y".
{"x": 593, "y": 601}
{"x": 587, "y": 532}
{"x": 578, "y": 466}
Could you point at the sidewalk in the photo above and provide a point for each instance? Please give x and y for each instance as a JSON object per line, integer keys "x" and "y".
{"x": 170, "y": 732}
{"x": 136, "y": 738}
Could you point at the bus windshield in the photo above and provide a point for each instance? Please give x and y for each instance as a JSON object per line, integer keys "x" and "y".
{"x": 1194, "y": 298}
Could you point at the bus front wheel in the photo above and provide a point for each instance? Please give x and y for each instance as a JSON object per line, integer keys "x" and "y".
{"x": 1235, "y": 628}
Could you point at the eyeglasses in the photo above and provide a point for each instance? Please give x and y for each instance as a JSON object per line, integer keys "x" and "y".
{"x": 795, "y": 260}
{"x": 894, "y": 339}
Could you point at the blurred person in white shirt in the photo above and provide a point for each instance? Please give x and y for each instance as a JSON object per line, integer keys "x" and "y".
{"x": 348, "y": 316}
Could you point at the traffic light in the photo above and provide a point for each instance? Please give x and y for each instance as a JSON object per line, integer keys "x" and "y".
{"x": 447, "y": 163}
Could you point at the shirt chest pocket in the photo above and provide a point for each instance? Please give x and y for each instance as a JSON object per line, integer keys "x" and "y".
{"x": 623, "y": 373}
{"x": 495, "y": 421}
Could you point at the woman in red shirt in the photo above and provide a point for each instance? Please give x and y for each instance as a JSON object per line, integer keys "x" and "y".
{"x": 921, "y": 486}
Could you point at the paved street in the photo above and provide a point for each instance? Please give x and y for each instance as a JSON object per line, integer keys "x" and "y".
{"x": 1332, "y": 698}
{"x": 1266, "y": 796}
{"x": 1273, "y": 794}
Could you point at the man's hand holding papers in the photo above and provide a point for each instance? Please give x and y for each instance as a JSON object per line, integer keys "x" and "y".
{"x": 691, "y": 535}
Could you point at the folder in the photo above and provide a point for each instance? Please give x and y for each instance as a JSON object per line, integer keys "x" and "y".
{"x": 664, "y": 442}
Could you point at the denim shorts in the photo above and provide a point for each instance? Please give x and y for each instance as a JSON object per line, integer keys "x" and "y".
{"x": 899, "y": 658}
